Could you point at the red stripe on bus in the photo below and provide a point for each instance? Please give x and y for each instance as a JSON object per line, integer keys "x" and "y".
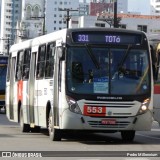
{"x": 20, "y": 89}
{"x": 156, "y": 89}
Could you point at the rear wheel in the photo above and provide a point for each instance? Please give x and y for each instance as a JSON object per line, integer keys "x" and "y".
{"x": 128, "y": 136}
{"x": 24, "y": 127}
{"x": 54, "y": 134}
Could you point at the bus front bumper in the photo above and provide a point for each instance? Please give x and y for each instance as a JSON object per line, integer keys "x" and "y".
{"x": 74, "y": 121}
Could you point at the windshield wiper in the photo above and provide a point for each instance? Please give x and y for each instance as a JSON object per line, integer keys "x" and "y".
{"x": 124, "y": 57}
{"x": 92, "y": 56}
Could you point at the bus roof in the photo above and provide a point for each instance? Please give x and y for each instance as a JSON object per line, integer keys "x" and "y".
{"x": 59, "y": 35}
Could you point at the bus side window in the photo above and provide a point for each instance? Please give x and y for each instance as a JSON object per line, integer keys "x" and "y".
{"x": 26, "y": 64}
{"x": 19, "y": 65}
{"x": 49, "y": 68}
{"x": 41, "y": 62}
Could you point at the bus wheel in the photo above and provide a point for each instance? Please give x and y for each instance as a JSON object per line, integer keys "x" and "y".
{"x": 54, "y": 134}
{"x": 24, "y": 127}
{"x": 128, "y": 136}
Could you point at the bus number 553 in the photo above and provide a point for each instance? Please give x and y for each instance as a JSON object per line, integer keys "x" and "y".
{"x": 88, "y": 110}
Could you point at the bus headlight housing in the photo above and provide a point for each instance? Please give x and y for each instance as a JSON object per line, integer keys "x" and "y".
{"x": 73, "y": 106}
{"x": 144, "y": 106}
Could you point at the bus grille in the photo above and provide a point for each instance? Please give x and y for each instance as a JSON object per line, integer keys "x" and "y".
{"x": 98, "y": 124}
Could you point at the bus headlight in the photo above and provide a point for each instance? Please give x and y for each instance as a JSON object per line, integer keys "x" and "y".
{"x": 73, "y": 106}
{"x": 144, "y": 106}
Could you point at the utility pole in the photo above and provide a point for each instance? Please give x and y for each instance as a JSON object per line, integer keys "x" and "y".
{"x": 111, "y": 19}
{"x": 8, "y": 43}
{"x": 115, "y": 14}
{"x": 68, "y": 17}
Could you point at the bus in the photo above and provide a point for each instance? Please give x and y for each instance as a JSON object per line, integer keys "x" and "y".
{"x": 3, "y": 71}
{"x": 83, "y": 79}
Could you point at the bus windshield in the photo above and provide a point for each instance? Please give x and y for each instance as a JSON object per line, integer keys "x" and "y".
{"x": 112, "y": 71}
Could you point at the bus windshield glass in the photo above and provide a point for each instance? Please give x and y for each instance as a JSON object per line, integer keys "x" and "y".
{"x": 113, "y": 71}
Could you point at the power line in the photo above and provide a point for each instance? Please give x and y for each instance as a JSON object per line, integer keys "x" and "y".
{"x": 68, "y": 17}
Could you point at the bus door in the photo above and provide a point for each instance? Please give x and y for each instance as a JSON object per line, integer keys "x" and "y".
{"x": 31, "y": 84}
{"x": 11, "y": 88}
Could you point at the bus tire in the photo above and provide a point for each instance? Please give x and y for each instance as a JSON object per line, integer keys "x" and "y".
{"x": 54, "y": 134}
{"x": 128, "y": 136}
{"x": 24, "y": 127}
{"x": 36, "y": 129}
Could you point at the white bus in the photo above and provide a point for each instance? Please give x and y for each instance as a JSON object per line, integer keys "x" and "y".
{"x": 88, "y": 79}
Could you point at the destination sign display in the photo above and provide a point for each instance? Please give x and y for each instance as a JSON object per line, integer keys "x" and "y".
{"x": 3, "y": 60}
{"x": 106, "y": 38}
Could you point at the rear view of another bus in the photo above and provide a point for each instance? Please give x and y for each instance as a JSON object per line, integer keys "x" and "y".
{"x": 3, "y": 70}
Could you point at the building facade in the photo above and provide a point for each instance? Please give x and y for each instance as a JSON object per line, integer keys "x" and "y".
{"x": 10, "y": 14}
{"x": 32, "y": 23}
{"x": 56, "y": 13}
{"x": 148, "y": 24}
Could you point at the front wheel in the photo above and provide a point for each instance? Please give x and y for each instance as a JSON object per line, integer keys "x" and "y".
{"x": 24, "y": 127}
{"x": 128, "y": 136}
{"x": 54, "y": 134}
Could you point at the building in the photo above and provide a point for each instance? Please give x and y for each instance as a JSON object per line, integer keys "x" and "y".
{"x": 10, "y": 14}
{"x": 83, "y": 8}
{"x": 152, "y": 7}
{"x": 32, "y": 23}
{"x": 155, "y": 7}
{"x": 147, "y": 23}
{"x": 56, "y": 13}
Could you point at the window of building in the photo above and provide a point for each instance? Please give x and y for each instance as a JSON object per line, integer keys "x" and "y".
{"x": 36, "y": 11}
{"x": 122, "y": 26}
{"x": 16, "y": 11}
{"x": 28, "y": 12}
{"x": 55, "y": 15}
{"x": 99, "y": 24}
{"x": 9, "y": 4}
{"x": 54, "y": 22}
{"x": 142, "y": 28}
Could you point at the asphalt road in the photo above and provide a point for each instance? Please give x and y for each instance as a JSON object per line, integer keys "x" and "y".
{"x": 78, "y": 146}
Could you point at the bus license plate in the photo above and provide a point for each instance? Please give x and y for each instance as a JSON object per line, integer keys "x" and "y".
{"x": 108, "y": 121}
{"x": 94, "y": 110}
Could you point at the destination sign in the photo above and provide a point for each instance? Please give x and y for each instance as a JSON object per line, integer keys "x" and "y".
{"x": 3, "y": 60}
{"x": 106, "y": 38}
